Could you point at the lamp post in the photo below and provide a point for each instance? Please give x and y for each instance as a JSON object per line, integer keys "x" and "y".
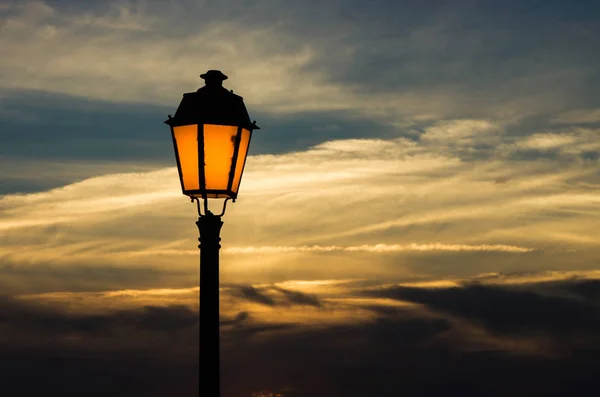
{"x": 211, "y": 133}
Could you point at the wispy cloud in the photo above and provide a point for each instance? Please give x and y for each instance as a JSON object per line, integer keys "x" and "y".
{"x": 95, "y": 54}
{"x": 379, "y": 248}
{"x": 347, "y": 198}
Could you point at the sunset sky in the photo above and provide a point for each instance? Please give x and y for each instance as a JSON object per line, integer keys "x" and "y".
{"x": 419, "y": 208}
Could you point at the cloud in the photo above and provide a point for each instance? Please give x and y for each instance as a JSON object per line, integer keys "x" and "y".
{"x": 547, "y": 141}
{"x": 252, "y": 294}
{"x": 575, "y": 144}
{"x": 432, "y": 65}
{"x": 349, "y": 344}
{"x": 299, "y": 298}
{"x": 274, "y": 296}
{"x": 461, "y": 132}
{"x": 511, "y": 311}
{"x": 400, "y": 203}
{"x": 29, "y": 175}
{"x": 578, "y": 116}
{"x": 100, "y": 80}
{"x": 149, "y": 318}
{"x": 126, "y": 346}
{"x": 378, "y": 248}
{"x": 104, "y": 42}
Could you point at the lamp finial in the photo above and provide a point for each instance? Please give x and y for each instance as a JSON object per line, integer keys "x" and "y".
{"x": 213, "y": 77}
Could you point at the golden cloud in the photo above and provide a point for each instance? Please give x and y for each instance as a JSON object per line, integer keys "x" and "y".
{"x": 341, "y": 203}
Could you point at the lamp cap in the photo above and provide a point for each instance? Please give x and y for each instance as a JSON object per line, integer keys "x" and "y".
{"x": 213, "y": 77}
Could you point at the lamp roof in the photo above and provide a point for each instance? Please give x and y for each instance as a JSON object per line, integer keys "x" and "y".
{"x": 212, "y": 104}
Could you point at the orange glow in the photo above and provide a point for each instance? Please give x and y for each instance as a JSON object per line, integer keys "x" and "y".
{"x": 187, "y": 148}
{"x": 241, "y": 159}
{"x": 219, "y": 144}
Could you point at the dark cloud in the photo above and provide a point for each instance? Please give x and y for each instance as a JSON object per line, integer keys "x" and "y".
{"x": 65, "y": 371}
{"x": 481, "y": 47}
{"x": 41, "y": 278}
{"x": 143, "y": 352}
{"x": 399, "y": 354}
{"x": 283, "y": 297}
{"x": 251, "y": 294}
{"x": 237, "y": 320}
{"x": 25, "y": 316}
{"x": 326, "y": 361}
{"x": 513, "y": 309}
{"x": 57, "y": 126}
{"x": 425, "y": 350}
{"x": 588, "y": 290}
{"x": 421, "y": 353}
{"x": 299, "y": 298}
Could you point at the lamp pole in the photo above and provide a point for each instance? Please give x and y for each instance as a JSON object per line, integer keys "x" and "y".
{"x": 209, "y": 226}
{"x": 211, "y": 134}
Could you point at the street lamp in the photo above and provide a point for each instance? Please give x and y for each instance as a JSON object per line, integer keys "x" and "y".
{"x": 211, "y": 133}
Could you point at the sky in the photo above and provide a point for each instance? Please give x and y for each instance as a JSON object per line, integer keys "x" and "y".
{"x": 418, "y": 215}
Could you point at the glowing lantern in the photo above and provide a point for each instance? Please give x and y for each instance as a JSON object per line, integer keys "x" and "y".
{"x": 211, "y": 134}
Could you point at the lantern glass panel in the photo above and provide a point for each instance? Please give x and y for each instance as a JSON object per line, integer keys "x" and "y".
{"x": 219, "y": 146}
{"x": 186, "y": 139}
{"x": 241, "y": 159}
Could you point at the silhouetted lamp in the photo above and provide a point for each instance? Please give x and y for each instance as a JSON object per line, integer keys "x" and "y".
{"x": 211, "y": 133}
